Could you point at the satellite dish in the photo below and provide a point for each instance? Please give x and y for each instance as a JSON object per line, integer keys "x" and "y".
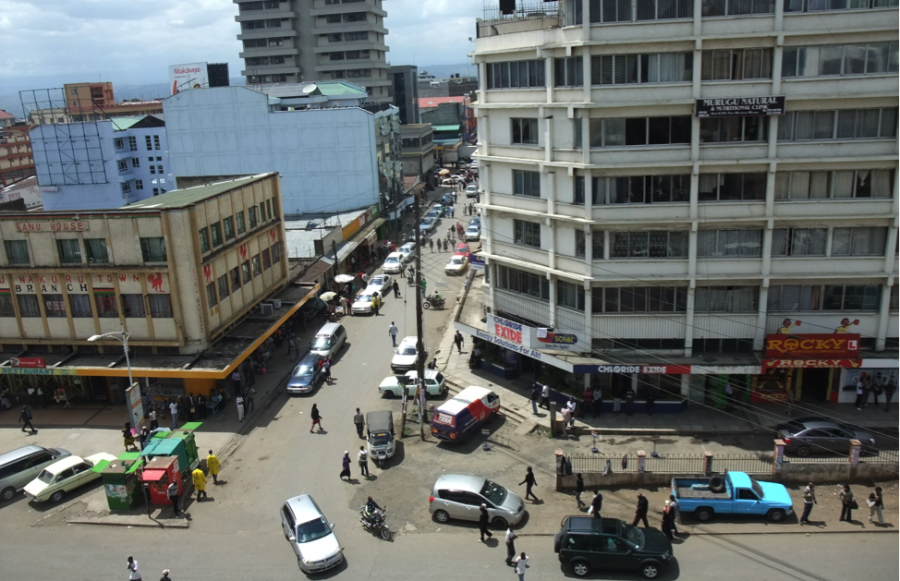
{"x": 309, "y": 89}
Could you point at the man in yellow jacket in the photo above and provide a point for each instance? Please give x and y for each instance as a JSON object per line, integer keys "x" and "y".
{"x": 213, "y": 465}
{"x": 199, "y": 483}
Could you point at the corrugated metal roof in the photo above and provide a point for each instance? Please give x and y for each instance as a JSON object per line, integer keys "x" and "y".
{"x": 425, "y": 102}
{"x": 190, "y": 196}
{"x": 340, "y": 88}
{"x": 446, "y": 127}
{"x": 123, "y": 123}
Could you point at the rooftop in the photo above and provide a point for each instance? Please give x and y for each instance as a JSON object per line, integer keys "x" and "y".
{"x": 191, "y": 196}
{"x": 427, "y": 102}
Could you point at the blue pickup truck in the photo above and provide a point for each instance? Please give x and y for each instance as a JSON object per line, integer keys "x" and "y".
{"x": 731, "y": 493}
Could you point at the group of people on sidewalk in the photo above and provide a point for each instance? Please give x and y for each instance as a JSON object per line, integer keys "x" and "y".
{"x": 875, "y": 502}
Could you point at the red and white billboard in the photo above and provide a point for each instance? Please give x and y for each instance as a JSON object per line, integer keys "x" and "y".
{"x": 190, "y": 76}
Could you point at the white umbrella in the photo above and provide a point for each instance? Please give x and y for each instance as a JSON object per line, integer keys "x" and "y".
{"x": 329, "y": 296}
{"x": 342, "y": 278}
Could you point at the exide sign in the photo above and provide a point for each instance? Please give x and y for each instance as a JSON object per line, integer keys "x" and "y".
{"x": 506, "y": 329}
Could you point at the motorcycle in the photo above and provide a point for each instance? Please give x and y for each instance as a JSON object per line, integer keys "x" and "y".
{"x": 377, "y": 524}
{"x": 430, "y": 301}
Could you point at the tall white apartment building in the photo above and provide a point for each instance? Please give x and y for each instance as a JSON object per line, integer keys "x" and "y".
{"x": 291, "y": 41}
{"x": 680, "y": 180}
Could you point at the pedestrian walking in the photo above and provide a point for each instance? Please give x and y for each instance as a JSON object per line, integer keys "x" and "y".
{"x": 199, "y": 479}
{"x": 165, "y": 575}
{"x": 596, "y": 504}
{"x": 571, "y": 405}
{"x": 617, "y": 399}
{"x": 876, "y": 505}
{"x": 579, "y": 490}
{"x": 536, "y": 391}
{"x": 345, "y": 466}
{"x": 458, "y": 339}
{"x": 676, "y": 509}
{"x": 392, "y": 331}
{"x": 729, "y": 396}
{"x": 364, "y": 278}
{"x": 154, "y": 423}
{"x": 860, "y": 394}
{"x": 889, "y": 388}
{"x": 213, "y": 466}
{"x": 144, "y": 436}
{"x": 847, "y": 503}
{"x": 431, "y": 245}
{"x": 134, "y": 574}
{"x": 293, "y": 352}
{"x": 172, "y": 493}
{"x": 521, "y": 563}
{"x": 424, "y": 287}
{"x": 25, "y": 418}
{"x": 359, "y": 422}
{"x": 316, "y": 418}
{"x": 640, "y": 514}
{"x": 249, "y": 404}
{"x": 396, "y": 287}
{"x": 529, "y": 483}
{"x": 511, "y": 537}
{"x": 629, "y": 401}
{"x": 566, "y": 416}
{"x": 545, "y": 396}
{"x": 668, "y": 520}
{"x": 326, "y": 369}
{"x": 128, "y": 437}
{"x": 239, "y": 400}
{"x": 236, "y": 380}
{"x": 483, "y": 520}
{"x": 597, "y": 401}
{"x": 173, "y": 409}
{"x": 809, "y": 499}
{"x": 363, "y": 458}
{"x": 376, "y": 303}
{"x": 587, "y": 401}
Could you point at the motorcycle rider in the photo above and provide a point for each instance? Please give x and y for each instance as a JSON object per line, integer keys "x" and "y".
{"x": 437, "y": 299}
{"x": 370, "y": 511}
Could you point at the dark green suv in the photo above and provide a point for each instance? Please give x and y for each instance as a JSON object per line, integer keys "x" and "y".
{"x": 586, "y": 544}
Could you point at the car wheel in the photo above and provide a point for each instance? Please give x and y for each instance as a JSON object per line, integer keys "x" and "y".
{"x": 499, "y": 523}
{"x": 775, "y": 515}
{"x": 803, "y": 451}
{"x": 7, "y": 494}
{"x": 703, "y": 514}
{"x": 57, "y": 496}
{"x": 388, "y": 394}
{"x": 441, "y": 516}
{"x": 650, "y": 570}
{"x": 581, "y": 568}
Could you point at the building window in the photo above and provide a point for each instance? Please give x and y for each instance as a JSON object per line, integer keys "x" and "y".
{"x": 223, "y": 286}
{"x": 650, "y": 244}
{"x": 727, "y": 187}
{"x": 640, "y": 131}
{"x": 153, "y": 169}
{"x": 97, "y": 252}
{"x": 610, "y": 11}
{"x": 526, "y": 183}
{"x": 69, "y": 251}
{"x": 654, "y": 299}
{"x": 133, "y": 306}
{"x": 858, "y": 241}
{"x": 799, "y": 241}
{"x": 626, "y": 69}
{"x": 276, "y": 253}
{"x": 160, "y": 306}
{"x": 726, "y": 299}
{"x": 569, "y": 72}
{"x": 516, "y": 75}
{"x": 119, "y": 143}
{"x": 350, "y": 36}
{"x": 148, "y": 141}
{"x": 126, "y": 188}
{"x": 135, "y": 162}
{"x": 154, "y": 249}
{"x": 7, "y": 310}
{"x": 28, "y": 306}
{"x": 132, "y": 143}
{"x": 235, "y": 278}
{"x": 843, "y": 124}
{"x": 580, "y": 244}
{"x": 239, "y": 218}
{"x": 664, "y": 9}
{"x": 797, "y": 298}
{"x": 204, "y": 240}
{"x": 729, "y": 244}
{"x": 139, "y": 184}
{"x": 107, "y": 306}
{"x": 211, "y": 295}
{"x": 736, "y": 64}
{"x": 54, "y": 306}
{"x": 122, "y": 165}
{"x": 80, "y": 305}
{"x": 17, "y": 252}
{"x": 737, "y": 7}
{"x": 851, "y": 297}
{"x": 357, "y": 54}
{"x": 524, "y": 131}
{"x": 839, "y": 184}
{"x": 215, "y": 231}
{"x": 269, "y": 208}
{"x": 526, "y": 283}
{"x": 245, "y": 271}
{"x": 734, "y": 129}
{"x": 828, "y": 5}
{"x": 156, "y": 142}
{"x": 253, "y": 216}
{"x": 228, "y": 227}
{"x": 262, "y": 211}
{"x": 636, "y": 189}
{"x": 266, "y": 259}
{"x": 874, "y": 58}
{"x": 527, "y": 233}
{"x": 569, "y": 295}
{"x": 256, "y": 266}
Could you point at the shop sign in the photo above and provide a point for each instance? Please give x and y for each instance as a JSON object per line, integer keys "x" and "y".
{"x": 510, "y": 331}
{"x": 37, "y": 371}
{"x": 542, "y": 338}
{"x": 740, "y": 106}
{"x": 476, "y": 262}
{"x": 33, "y": 362}
{"x": 54, "y": 226}
{"x": 646, "y": 369}
{"x": 818, "y": 346}
{"x": 810, "y": 363}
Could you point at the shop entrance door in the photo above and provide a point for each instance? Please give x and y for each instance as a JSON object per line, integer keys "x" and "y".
{"x": 815, "y": 385}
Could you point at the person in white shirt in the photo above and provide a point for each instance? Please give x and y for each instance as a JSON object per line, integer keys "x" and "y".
{"x": 173, "y": 409}
{"x": 134, "y": 574}
{"x": 392, "y": 331}
{"x": 521, "y": 564}
{"x": 510, "y": 545}
{"x": 240, "y": 407}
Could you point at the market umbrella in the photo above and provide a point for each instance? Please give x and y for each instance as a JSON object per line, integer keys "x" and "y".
{"x": 342, "y": 278}
{"x": 329, "y": 296}
{"x": 445, "y": 172}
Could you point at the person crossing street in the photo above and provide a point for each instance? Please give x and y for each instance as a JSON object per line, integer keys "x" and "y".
{"x": 392, "y": 331}
{"x": 25, "y": 417}
{"x": 359, "y": 422}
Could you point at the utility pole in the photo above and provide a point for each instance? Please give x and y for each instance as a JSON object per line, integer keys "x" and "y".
{"x": 420, "y": 342}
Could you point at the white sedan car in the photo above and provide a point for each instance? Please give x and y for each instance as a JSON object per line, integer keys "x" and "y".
{"x": 66, "y": 475}
{"x": 408, "y": 251}
{"x": 363, "y": 303}
{"x": 473, "y": 233}
{"x": 405, "y": 356}
{"x": 457, "y": 265}
{"x": 380, "y": 283}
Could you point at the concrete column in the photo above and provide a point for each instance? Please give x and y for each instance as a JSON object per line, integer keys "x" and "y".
{"x": 548, "y": 77}
{"x": 759, "y": 336}
{"x": 585, "y": 20}
{"x": 548, "y": 139}
{"x": 552, "y": 280}
{"x": 778, "y": 462}
{"x": 689, "y": 320}
{"x": 586, "y": 136}
{"x": 883, "y": 312}
{"x": 586, "y": 66}
{"x": 588, "y": 319}
{"x": 588, "y": 194}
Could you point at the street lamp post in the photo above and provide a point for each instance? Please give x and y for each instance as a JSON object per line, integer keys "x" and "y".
{"x": 122, "y": 338}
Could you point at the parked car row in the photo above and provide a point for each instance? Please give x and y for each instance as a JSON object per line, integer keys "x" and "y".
{"x": 47, "y": 473}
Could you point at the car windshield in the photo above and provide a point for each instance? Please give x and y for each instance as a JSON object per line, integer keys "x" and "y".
{"x": 46, "y": 477}
{"x": 493, "y": 492}
{"x": 392, "y": 260}
{"x": 754, "y": 484}
{"x": 633, "y": 536}
{"x": 380, "y": 439}
{"x": 407, "y": 350}
{"x": 303, "y": 371}
{"x": 438, "y": 378}
{"x": 456, "y": 260}
{"x": 313, "y": 530}
{"x": 364, "y": 299}
{"x": 321, "y": 342}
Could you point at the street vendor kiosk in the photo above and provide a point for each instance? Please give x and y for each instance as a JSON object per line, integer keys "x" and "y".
{"x": 158, "y": 474}
{"x": 120, "y": 481}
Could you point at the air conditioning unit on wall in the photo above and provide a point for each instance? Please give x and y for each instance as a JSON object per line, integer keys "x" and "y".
{"x": 266, "y": 309}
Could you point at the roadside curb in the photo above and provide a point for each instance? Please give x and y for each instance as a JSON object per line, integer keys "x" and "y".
{"x": 743, "y": 533}
{"x": 183, "y": 524}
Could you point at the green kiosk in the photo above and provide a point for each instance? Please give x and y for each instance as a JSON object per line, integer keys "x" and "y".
{"x": 120, "y": 481}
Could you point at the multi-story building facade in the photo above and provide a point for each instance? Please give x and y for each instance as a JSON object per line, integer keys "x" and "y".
{"x": 677, "y": 181}
{"x": 291, "y": 41}
{"x": 334, "y": 150}
{"x": 97, "y": 101}
{"x": 175, "y": 273}
{"x": 101, "y": 164}
{"x": 405, "y": 93}
{"x": 418, "y": 149}
{"x": 16, "y": 158}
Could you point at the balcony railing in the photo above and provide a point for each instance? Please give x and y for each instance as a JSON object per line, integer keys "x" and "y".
{"x": 525, "y": 17}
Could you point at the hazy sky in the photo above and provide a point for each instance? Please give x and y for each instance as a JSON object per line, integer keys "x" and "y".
{"x": 136, "y": 40}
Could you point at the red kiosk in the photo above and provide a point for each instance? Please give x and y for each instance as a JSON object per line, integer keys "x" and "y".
{"x": 158, "y": 474}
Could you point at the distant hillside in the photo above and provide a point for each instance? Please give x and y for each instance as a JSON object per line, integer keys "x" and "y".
{"x": 444, "y": 71}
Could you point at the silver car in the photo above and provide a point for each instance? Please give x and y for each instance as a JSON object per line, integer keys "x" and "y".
{"x": 310, "y": 535}
{"x": 460, "y": 497}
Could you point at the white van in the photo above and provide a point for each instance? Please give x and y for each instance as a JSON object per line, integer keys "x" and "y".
{"x": 393, "y": 264}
